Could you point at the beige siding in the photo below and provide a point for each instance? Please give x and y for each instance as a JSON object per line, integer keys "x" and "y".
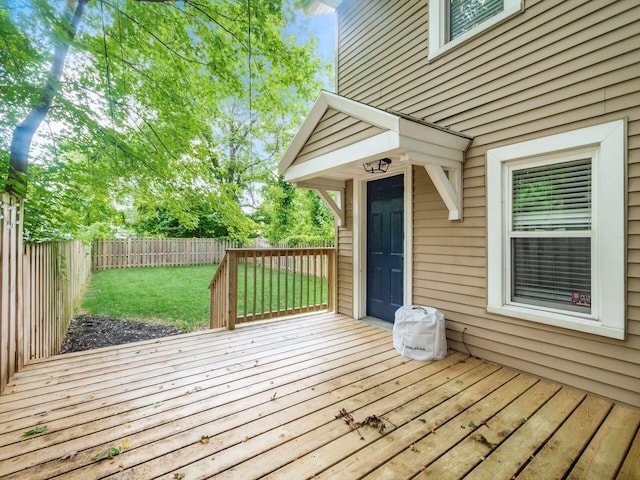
{"x": 345, "y": 257}
{"x": 335, "y": 130}
{"x": 558, "y": 66}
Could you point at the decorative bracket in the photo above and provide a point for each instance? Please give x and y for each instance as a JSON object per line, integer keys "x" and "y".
{"x": 449, "y": 187}
{"x": 323, "y": 187}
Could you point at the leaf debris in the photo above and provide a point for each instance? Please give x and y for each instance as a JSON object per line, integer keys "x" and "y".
{"x": 109, "y": 453}
{"x": 372, "y": 421}
{"x": 34, "y": 431}
{"x": 482, "y": 439}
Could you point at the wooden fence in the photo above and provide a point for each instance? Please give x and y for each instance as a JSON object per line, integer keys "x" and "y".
{"x": 55, "y": 277}
{"x": 158, "y": 252}
{"x": 40, "y": 286}
{"x": 260, "y": 283}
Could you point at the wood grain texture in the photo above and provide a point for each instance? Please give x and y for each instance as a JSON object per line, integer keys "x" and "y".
{"x": 264, "y": 401}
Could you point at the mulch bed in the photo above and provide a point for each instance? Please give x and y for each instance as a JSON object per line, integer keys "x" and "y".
{"x": 87, "y": 332}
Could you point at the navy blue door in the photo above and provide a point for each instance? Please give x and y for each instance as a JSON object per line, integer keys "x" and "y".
{"x": 385, "y": 247}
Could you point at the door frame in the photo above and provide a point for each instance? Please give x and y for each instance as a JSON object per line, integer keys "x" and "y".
{"x": 360, "y": 236}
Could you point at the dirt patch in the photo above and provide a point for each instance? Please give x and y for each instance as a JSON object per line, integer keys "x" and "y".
{"x": 87, "y": 332}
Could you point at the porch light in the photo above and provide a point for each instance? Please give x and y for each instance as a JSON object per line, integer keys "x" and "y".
{"x": 377, "y": 166}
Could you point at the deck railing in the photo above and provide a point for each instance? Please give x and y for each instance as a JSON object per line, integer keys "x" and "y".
{"x": 260, "y": 283}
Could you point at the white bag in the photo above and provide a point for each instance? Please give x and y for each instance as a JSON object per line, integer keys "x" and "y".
{"x": 418, "y": 333}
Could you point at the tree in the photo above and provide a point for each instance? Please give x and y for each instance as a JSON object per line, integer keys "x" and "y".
{"x": 25, "y": 130}
{"x": 159, "y": 99}
{"x": 293, "y": 216}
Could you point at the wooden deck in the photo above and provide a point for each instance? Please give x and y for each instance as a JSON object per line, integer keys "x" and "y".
{"x": 262, "y": 401}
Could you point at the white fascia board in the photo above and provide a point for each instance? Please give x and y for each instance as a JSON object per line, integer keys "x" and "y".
{"x": 432, "y": 151}
{"x": 326, "y": 100}
{"x": 434, "y": 136}
{"x": 366, "y": 113}
{"x": 374, "y": 147}
{"x": 330, "y": 184}
{"x": 304, "y": 132}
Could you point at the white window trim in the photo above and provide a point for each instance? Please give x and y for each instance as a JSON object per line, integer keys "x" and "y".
{"x": 437, "y": 25}
{"x": 608, "y": 258}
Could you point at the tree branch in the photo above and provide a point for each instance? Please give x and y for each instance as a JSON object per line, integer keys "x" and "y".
{"x": 23, "y": 134}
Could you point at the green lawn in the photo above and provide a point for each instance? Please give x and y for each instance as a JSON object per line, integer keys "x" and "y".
{"x": 179, "y": 296}
{"x": 294, "y": 290}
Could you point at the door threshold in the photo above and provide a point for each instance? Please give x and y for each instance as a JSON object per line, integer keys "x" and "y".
{"x": 378, "y": 322}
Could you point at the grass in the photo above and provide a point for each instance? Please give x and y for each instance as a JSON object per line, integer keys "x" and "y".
{"x": 270, "y": 298}
{"x": 179, "y": 296}
{"x": 176, "y": 296}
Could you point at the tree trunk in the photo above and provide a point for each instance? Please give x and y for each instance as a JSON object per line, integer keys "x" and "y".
{"x": 24, "y": 132}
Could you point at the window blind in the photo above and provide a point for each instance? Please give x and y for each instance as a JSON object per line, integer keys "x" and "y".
{"x": 466, "y": 14}
{"x": 551, "y": 235}
{"x": 556, "y": 197}
{"x": 553, "y": 272}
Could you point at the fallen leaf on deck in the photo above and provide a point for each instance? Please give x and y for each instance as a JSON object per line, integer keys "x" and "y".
{"x": 482, "y": 439}
{"x": 158, "y": 404}
{"x": 34, "y": 431}
{"x": 372, "y": 421}
{"x": 107, "y": 454}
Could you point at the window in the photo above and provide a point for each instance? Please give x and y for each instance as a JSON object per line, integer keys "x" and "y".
{"x": 451, "y": 22}
{"x": 556, "y": 230}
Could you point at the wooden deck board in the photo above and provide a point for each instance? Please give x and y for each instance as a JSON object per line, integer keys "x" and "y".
{"x": 266, "y": 397}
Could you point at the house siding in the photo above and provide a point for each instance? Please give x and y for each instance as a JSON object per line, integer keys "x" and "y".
{"x": 344, "y": 245}
{"x": 335, "y": 130}
{"x": 555, "y": 67}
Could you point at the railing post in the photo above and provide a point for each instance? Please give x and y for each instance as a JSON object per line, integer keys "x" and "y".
{"x": 331, "y": 280}
{"x": 232, "y": 289}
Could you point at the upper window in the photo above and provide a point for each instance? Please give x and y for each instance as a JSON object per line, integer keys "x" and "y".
{"x": 556, "y": 230}
{"x": 451, "y": 22}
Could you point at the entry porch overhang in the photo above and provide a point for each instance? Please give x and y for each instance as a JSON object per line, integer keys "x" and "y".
{"x": 340, "y": 134}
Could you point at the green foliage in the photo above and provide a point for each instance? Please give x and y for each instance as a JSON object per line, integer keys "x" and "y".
{"x": 295, "y": 217}
{"x": 176, "y": 111}
{"x": 206, "y": 214}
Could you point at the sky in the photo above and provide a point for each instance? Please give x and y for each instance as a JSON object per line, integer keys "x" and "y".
{"x": 323, "y": 28}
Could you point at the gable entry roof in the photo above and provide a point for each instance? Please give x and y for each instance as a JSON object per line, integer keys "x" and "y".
{"x": 340, "y": 134}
